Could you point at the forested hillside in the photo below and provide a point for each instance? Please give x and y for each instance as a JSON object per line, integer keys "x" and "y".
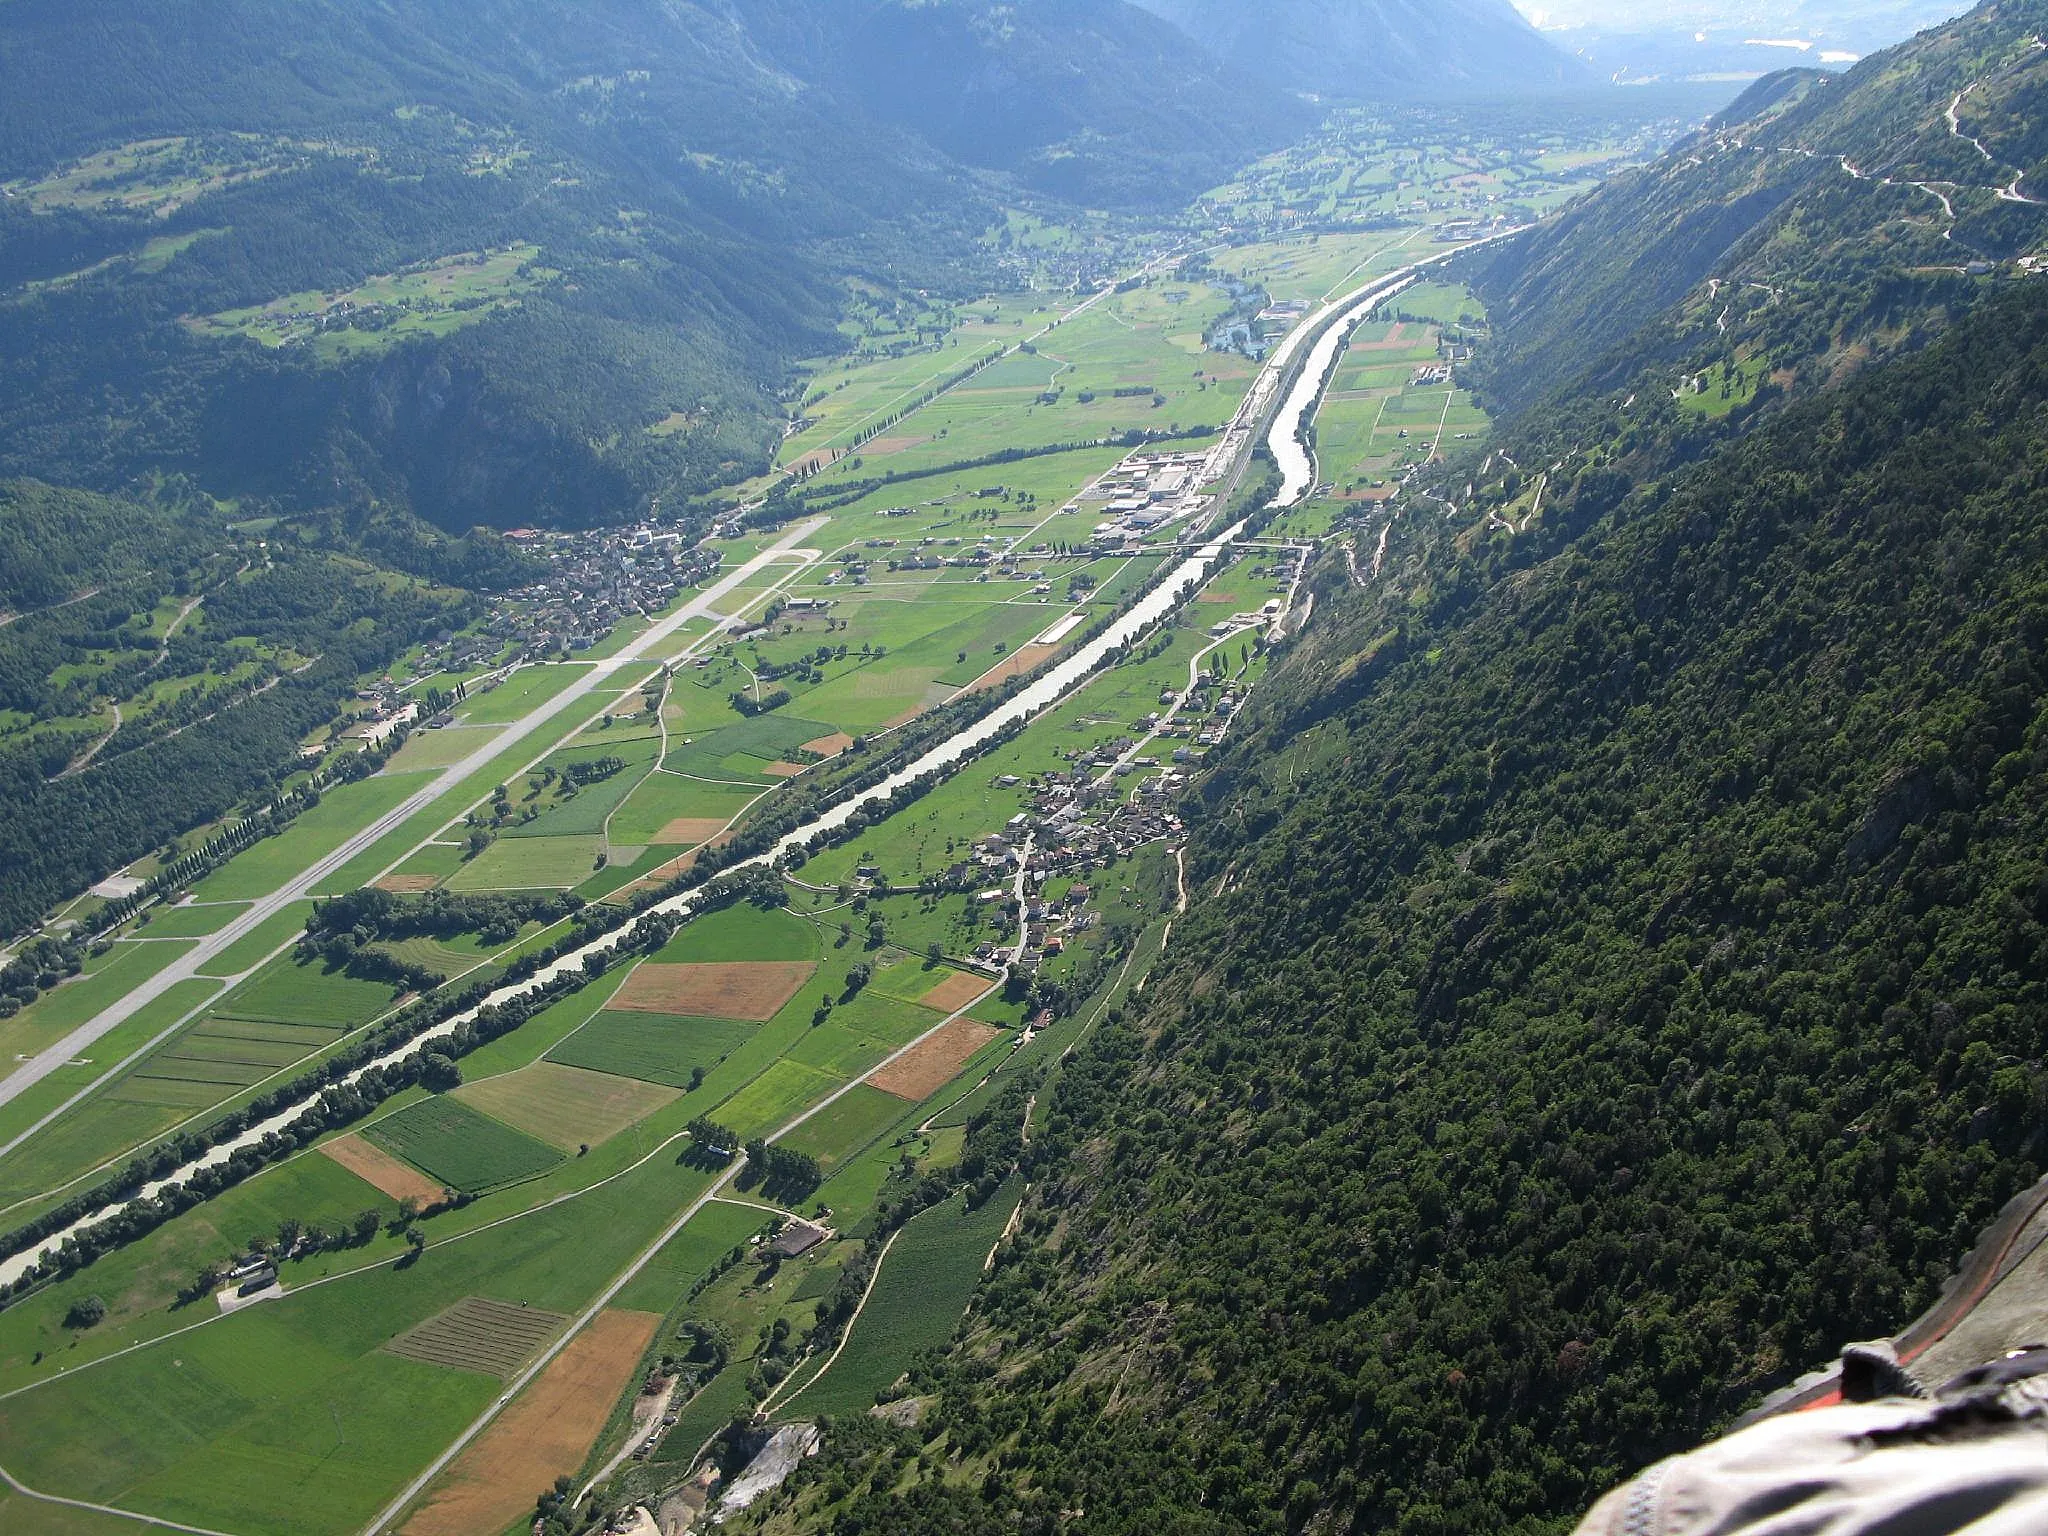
{"x": 226, "y": 650}
{"x": 1820, "y": 221}
{"x": 1392, "y": 48}
{"x": 1615, "y": 982}
{"x": 509, "y": 263}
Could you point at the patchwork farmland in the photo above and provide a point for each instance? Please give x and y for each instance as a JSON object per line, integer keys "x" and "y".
{"x": 569, "y": 1137}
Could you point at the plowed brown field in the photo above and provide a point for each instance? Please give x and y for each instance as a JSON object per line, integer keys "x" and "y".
{"x": 931, "y": 1066}
{"x": 956, "y": 991}
{"x": 373, "y": 1165}
{"x": 545, "y": 1435}
{"x": 754, "y": 989}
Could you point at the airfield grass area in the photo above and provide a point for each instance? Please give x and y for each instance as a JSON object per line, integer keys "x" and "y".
{"x": 342, "y": 812}
{"x": 192, "y": 921}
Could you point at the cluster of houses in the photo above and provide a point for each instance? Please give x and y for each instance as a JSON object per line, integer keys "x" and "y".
{"x": 598, "y": 579}
{"x": 1080, "y": 821}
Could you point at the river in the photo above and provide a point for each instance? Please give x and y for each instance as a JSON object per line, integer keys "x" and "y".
{"x": 1056, "y": 685}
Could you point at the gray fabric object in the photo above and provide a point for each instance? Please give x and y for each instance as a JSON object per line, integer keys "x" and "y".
{"x": 1972, "y": 1463}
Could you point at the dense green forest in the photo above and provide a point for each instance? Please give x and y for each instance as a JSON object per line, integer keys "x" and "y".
{"x": 226, "y": 652}
{"x": 1627, "y": 990}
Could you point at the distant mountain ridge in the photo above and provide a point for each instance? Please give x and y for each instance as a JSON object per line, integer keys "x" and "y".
{"x": 1819, "y": 220}
{"x": 1379, "y": 48}
{"x": 1093, "y": 100}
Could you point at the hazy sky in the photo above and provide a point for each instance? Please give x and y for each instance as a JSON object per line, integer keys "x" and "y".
{"x": 1873, "y": 23}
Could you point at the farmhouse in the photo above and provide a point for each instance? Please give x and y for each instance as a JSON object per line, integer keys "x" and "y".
{"x": 797, "y": 1239}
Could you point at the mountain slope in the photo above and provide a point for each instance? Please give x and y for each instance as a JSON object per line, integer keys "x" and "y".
{"x": 1629, "y": 988}
{"x": 1094, "y": 100}
{"x": 644, "y": 210}
{"x": 671, "y": 205}
{"x": 1818, "y": 219}
{"x": 1379, "y": 48}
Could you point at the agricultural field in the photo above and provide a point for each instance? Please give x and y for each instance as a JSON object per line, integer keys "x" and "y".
{"x": 544, "y": 1435}
{"x": 742, "y": 932}
{"x": 218, "y": 1057}
{"x": 733, "y": 989}
{"x": 529, "y": 864}
{"x": 383, "y": 1172}
{"x": 477, "y": 1334}
{"x": 653, "y": 1047}
{"x": 1467, "y": 163}
{"x": 847, "y": 1125}
{"x": 463, "y": 1149}
{"x": 774, "y": 1098}
{"x": 432, "y": 299}
{"x": 1392, "y": 404}
{"x": 936, "y": 1062}
{"x": 565, "y": 1106}
{"x": 917, "y": 1303}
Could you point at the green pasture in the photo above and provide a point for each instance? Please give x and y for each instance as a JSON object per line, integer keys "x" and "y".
{"x": 741, "y": 931}
{"x": 462, "y": 1147}
{"x": 847, "y": 1125}
{"x": 653, "y": 1047}
{"x": 583, "y": 813}
{"x": 774, "y": 1098}
{"x": 663, "y": 798}
{"x": 528, "y": 863}
{"x": 301, "y": 992}
{"x": 439, "y": 860}
{"x": 432, "y": 299}
{"x": 711, "y": 1234}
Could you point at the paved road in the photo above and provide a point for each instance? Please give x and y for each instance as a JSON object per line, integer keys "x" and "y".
{"x": 625, "y": 1277}
{"x": 310, "y": 879}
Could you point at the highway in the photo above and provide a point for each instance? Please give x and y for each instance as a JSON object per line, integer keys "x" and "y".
{"x": 309, "y": 880}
